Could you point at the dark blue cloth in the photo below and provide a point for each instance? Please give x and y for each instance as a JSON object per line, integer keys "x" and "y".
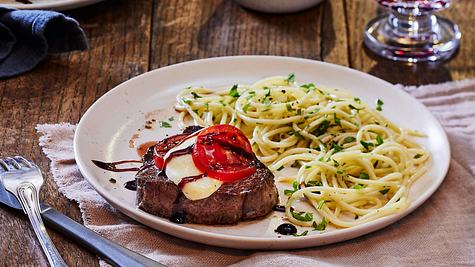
{"x": 27, "y": 36}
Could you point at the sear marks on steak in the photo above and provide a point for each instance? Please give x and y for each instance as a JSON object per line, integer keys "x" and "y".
{"x": 249, "y": 198}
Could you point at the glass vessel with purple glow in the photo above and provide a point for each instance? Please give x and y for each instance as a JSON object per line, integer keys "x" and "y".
{"x": 410, "y": 32}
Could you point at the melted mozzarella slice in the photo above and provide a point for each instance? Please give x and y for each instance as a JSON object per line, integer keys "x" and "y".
{"x": 182, "y": 166}
{"x": 201, "y": 188}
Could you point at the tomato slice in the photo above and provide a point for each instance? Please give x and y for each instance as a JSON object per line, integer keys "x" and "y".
{"x": 162, "y": 147}
{"x": 223, "y": 152}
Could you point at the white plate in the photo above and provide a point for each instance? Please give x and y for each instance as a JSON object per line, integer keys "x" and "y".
{"x": 48, "y": 4}
{"x": 106, "y": 128}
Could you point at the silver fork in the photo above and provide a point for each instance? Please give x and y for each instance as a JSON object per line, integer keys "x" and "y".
{"x": 23, "y": 179}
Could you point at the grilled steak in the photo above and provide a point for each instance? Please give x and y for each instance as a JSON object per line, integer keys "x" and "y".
{"x": 248, "y": 198}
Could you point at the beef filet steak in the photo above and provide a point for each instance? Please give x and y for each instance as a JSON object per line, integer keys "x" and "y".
{"x": 248, "y": 198}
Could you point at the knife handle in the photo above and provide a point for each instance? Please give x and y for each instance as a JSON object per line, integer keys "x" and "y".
{"x": 111, "y": 252}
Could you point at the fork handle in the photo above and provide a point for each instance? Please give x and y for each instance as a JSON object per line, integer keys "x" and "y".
{"x": 28, "y": 196}
{"x": 109, "y": 251}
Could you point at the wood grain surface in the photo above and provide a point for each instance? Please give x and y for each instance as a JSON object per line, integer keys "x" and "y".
{"x": 128, "y": 38}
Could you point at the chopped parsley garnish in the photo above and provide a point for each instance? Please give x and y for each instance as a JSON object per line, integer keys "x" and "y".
{"x": 302, "y": 216}
{"x": 267, "y": 93}
{"x": 336, "y": 163}
{"x": 171, "y": 118}
{"x": 417, "y": 156}
{"x": 304, "y": 233}
{"x": 164, "y": 124}
{"x": 296, "y": 133}
{"x": 186, "y": 101}
{"x": 384, "y": 191}
{"x": 291, "y": 78}
{"x": 251, "y": 95}
{"x": 366, "y": 145}
{"x": 322, "y": 128}
{"x": 358, "y": 186}
{"x": 246, "y": 107}
{"x": 320, "y": 204}
{"x": 280, "y": 168}
{"x": 357, "y": 100}
{"x": 355, "y": 108}
{"x": 195, "y": 95}
{"x": 337, "y": 148}
{"x": 289, "y": 192}
{"x": 379, "y": 140}
{"x": 313, "y": 183}
{"x": 337, "y": 120}
{"x": 207, "y": 106}
{"x": 234, "y": 92}
{"x": 309, "y": 87}
{"x": 289, "y": 107}
{"x": 379, "y": 105}
{"x": 349, "y": 139}
{"x": 320, "y": 226}
{"x": 364, "y": 175}
{"x": 308, "y": 166}
{"x": 339, "y": 172}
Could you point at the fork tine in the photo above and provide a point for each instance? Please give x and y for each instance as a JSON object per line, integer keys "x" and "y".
{"x": 22, "y": 160}
{"x": 4, "y": 165}
{"x": 13, "y": 162}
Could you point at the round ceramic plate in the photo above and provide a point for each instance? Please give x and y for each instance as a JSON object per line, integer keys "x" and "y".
{"x": 109, "y": 129}
{"x": 47, "y": 4}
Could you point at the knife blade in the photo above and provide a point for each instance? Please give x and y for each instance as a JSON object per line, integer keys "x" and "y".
{"x": 111, "y": 252}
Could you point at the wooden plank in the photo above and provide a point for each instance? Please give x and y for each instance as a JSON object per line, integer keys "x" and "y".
{"x": 185, "y": 30}
{"x": 60, "y": 90}
{"x": 334, "y": 41}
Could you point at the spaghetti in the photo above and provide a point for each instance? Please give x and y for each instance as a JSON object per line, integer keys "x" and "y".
{"x": 354, "y": 165}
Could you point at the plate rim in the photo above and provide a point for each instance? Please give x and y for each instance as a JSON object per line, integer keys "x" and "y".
{"x": 257, "y": 242}
{"x": 62, "y": 5}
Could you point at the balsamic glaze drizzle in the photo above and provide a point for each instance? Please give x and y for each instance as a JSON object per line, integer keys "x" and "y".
{"x": 280, "y": 208}
{"x": 131, "y": 185}
{"x": 111, "y": 166}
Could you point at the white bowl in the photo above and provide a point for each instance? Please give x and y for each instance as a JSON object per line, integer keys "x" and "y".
{"x": 278, "y": 6}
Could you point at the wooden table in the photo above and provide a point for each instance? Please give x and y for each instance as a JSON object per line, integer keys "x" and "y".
{"x": 128, "y": 38}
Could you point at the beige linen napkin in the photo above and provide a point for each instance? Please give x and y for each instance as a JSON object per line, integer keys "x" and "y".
{"x": 440, "y": 232}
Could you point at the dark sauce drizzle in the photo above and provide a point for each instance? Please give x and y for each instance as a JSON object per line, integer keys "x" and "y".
{"x": 286, "y": 229}
{"x": 24, "y": 1}
{"x": 131, "y": 185}
{"x": 280, "y": 208}
{"x": 190, "y": 179}
{"x": 112, "y": 166}
{"x": 178, "y": 217}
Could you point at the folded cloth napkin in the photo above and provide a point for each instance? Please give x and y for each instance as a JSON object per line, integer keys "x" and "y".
{"x": 27, "y": 36}
{"x": 441, "y": 232}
